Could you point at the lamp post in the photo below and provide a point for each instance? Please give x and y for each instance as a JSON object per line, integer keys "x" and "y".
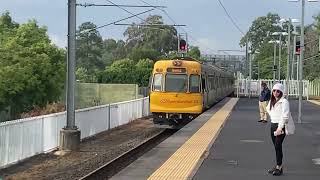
{"x": 280, "y": 34}
{"x": 295, "y": 34}
{"x": 274, "y": 58}
{"x": 289, "y": 21}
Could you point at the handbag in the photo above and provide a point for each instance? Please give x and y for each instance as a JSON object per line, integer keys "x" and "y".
{"x": 289, "y": 126}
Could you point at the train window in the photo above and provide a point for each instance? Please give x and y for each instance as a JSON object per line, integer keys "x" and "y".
{"x": 176, "y": 83}
{"x": 194, "y": 83}
{"x": 203, "y": 84}
{"x": 157, "y": 82}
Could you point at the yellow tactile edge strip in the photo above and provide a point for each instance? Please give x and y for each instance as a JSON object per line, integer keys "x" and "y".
{"x": 314, "y": 102}
{"x": 181, "y": 164}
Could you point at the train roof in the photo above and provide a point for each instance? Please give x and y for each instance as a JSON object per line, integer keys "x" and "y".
{"x": 203, "y": 63}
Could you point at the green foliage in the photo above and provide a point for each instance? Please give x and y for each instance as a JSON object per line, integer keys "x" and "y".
{"x": 161, "y": 39}
{"x": 143, "y": 72}
{"x": 31, "y": 68}
{"x": 260, "y": 31}
{"x": 113, "y": 50}
{"x": 312, "y": 63}
{"x": 82, "y": 75}
{"x": 194, "y": 52}
{"x": 138, "y": 53}
{"x": 126, "y": 71}
{"x": 89, "y": 48}
{"x": 121, "y": 71}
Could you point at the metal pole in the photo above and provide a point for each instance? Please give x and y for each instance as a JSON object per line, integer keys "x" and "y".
{"x": 250, "y": 73}
{"x": 288, "y": 60}
{"x": 70, "y": 135}
{"x": 258, "y": 69}
{"x": 301, "y": 59}
{"x": 279, "y": 65}
{"x": 247, "y": 58}
{"x": 293, "y": 52}
{"x": 274, "y": 61}
{"x": 71, "y": 64}
{"x": 297, "y": 62}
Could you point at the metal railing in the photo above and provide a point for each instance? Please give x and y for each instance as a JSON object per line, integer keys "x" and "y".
{"x": 246, "y": 87}
{"x": 23, "y": 138}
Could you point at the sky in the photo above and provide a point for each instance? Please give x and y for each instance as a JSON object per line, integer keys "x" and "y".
{"x": 207, "y": 24}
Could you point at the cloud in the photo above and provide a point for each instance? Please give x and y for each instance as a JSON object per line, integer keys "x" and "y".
{"x": 206, "y": 45}
{"x": 60, "y": 41}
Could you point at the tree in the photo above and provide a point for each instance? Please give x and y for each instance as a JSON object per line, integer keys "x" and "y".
{"x": 260, "y": 31}
{"x": 89, "y": 48}
{"x": 121, "y": 71}
{"x": 162, "y": 39}
{"x": 138, "y": 53}
{"x": 7, "y": 27}
{"x": 32, "y": 70}
{"x": 311, "y": 64}
{"x": 113, "y": 50}
{"x": 143, "y": 72}
{"x": 194, "y": 52}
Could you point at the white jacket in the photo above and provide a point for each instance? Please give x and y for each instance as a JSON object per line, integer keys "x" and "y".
{"x": 280, "y": 112}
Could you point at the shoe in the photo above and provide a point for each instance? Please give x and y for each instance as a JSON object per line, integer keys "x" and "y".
{"x": 260, "y": 120}
{"x": 270, "y": 171}
{"x": 277, "y": 172}
{"x": 264, "y": 121}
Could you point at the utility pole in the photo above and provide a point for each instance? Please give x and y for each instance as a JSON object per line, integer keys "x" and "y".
{"x": 301, "y": 59}
{"x": 288, "y": 60}
{"x": 293, "y": 52}
{"x": 70, "y": 135}
{"x": 250, "y": 72}
{"x": 247, "y": 58}
{"x": 274, "y": 61}
{"x": 279, "y": 65}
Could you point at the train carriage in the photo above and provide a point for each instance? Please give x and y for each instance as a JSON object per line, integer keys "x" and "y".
{"x": 183, "y": 88}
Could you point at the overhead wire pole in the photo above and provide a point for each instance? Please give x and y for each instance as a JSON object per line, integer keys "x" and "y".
{"x": 70, "y": 135}
{"x": 288, "y": 60}
{"x": 302, "y": 48}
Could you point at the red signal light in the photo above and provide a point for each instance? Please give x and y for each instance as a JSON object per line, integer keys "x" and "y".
{"x": 298, "y": 47}
{"x": 183, "y": 45}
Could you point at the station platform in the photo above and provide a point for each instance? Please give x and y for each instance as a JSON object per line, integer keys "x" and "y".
{"x": 228, "y": 142}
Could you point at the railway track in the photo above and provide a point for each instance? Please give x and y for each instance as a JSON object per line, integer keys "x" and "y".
{"x": 116, "y": 165}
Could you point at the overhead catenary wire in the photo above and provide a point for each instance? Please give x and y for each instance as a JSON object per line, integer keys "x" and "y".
{"x": 143, "y": 20}
{"x": 173, "y": 21}
{"x": 134, "y": 15}
{"x": 231, "y": 19}
{"x": 111, "y": 5}
{"x": 125, "y": 10}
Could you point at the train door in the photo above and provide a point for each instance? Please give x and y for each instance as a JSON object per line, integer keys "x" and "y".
{"x": 204, "y": 91}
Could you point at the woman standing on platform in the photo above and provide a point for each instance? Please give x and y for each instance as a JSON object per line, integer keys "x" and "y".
{"x": 279, "y": 112}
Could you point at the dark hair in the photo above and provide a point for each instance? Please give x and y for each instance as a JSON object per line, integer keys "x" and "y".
{"x": 263, "y": 84}
{"x": 273, "y": 100}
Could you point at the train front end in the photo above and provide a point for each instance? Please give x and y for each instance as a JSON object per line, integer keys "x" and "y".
{"x": 175, "y": 92}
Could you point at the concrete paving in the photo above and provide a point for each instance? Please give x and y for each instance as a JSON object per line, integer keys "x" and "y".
{"x": 143, "y": 167}
{"x": 244, "y": 150}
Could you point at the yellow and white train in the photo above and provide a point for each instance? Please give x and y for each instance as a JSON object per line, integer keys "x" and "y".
{"x": 183, "y": 88}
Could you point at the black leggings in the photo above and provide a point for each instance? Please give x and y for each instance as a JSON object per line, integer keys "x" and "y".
{"x": 277, "y": 142}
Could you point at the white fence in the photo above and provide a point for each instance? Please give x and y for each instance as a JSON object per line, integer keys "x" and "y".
{"x": 23, "y": 138}
{"x": 245, "y": 87}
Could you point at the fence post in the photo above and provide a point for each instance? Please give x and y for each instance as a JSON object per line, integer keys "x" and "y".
{"x": 109, "y": 117}
{"x": 142, "y": 107}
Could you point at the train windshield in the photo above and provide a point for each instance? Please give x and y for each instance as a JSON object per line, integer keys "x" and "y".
{"x": 194, "y": 83}
{"x": 176, "y": 83}
{"x": 157, "y": 82}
